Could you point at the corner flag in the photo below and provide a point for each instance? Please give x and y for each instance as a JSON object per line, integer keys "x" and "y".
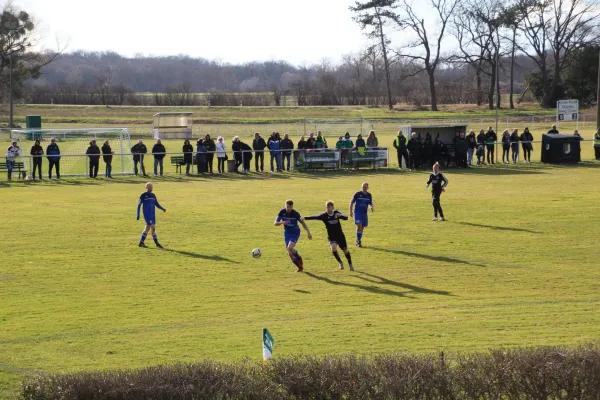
{"x": 268, "y": 343}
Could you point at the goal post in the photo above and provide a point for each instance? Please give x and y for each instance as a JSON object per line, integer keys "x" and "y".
{"x": 73, "y": 144}
{"x": 333, "y": 129}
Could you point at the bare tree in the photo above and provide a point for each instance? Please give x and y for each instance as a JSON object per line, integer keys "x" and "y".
{"x": 429, "y": 44}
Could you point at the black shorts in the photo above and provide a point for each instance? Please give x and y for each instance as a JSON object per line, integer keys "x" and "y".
{"x": 340, "y": 241}
{"x": 436, "y": 195}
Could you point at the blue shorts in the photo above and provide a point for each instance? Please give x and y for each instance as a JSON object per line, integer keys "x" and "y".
{"x": 150, "y": 221}
{"x": 291, "y": 237}
{"x": 361, "y": 219}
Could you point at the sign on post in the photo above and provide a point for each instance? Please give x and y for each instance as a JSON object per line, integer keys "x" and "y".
{"x": 268, "y": 343}
{"x": 567, "y": 110}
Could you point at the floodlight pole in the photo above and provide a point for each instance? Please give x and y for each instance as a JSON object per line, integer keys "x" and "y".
{"x": 10, "y": 94}
{"x": 598, "y": 95}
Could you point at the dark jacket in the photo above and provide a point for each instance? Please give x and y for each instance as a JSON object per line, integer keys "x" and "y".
{"x": 138, "y": 151}
{"x": 247, "y": 151}
{"x": 472, "y": 141}
{"x": 188, "y": 153}
{"x": 461, "y": 145}
{"x": 439, "y": 151}
{"x": 158, "y": 150}
{"x": 310, "y": 144}
{"x": 53, "y": 152}
{"x": 210, "y": 145}
{"x": 514, "y": 140}
{"x": 505, "y": 142}
{"x": 553, "y": 132}
{"x": 93, "y": 152}
{"x": 490, "y": 138}
{"x": 36, "y": 150}
{"x": 527, "y": 137}
{"x": 360, "y": 143}
{"x": 107, "y": 153}
{"x": 414, "y": 146}
{"x": 301, "y": 144}
{"x": 400, "y": 143}
{"x": 481, "y": 139}
{"x": 286, "y": 146}
{"x": 259, "y": 144}
{"x": 236, "y": 147}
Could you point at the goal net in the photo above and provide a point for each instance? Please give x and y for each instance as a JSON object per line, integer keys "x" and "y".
{"x": 73, "y": 144}
{"x": 332, "y": 129}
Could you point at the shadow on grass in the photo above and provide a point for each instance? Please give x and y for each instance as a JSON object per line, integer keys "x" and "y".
{"x": 370, "y": 289}
{"x": 302, "y": 291}
{"x": 496, "y": 228}
{"x": 384, "y": 281}
{"x": 200, "y": 256}
{"x": 427, "y": 256}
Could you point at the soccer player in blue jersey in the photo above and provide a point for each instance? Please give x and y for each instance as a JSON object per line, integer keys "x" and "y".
{"x": 149, "y": 202}
{"x": 361, "y": 201}
{"x": 289, "y": 218}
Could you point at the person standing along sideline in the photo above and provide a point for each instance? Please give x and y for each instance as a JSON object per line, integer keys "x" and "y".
{"x": 514, "y": 145}
{"x": 246, "y": 156}
{"x": 158, "y": 151}
{"x": 210, "y": 155}
{"x": 289, "y": 218}
{"x": 597, "y": 144}
{"x": 413, "y": 152}
{"x": 372, "y": 140}
{"x": 527, "y": 144}
{"x": 11, "y": 154}
{"x": 149, "y": 202}
{"x": 138, "y": 151}
{"x": 286, "y": 151}
{"x": 299, "y": 153}
{"x": 491, "y": 138}
{"x": 331, "y": 218}
{"x": 320, "y": 141}
{"x": 400, "y": 146}
{"x": 107, "y": 156}
{"x": 274, "y": 145}
{"x": 472, "y": 145}
{"x": 37, "y": 152}
{"x": 480, "y": 143}
{"x": 438, "y": 182}
{"x": 53, "y": 156}
{"x": 505, "y": 146}
{"x": 361, "y": 201}
{"x": 462, "y": 148}
{"x": 200, "y": 156}
{"x": 221, "y": 154}
{"x": 553, "y": 130}
{"x": 236, "y": 147}
{"x": 259, "y": 145}
{"x": 188, "y": 155}
{"x": 93, "y": 153}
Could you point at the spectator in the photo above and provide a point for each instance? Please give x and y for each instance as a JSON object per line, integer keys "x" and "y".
{"x": 274, "y": 145}
{"x": 246, "y": 156}
{"x": 413, "y": 151}
{"x": 400, "y": 146}
{"x": 11, "y": 154}
{"x": 210, "y": 152}
{"x": 188, "y": 155}
{"x": 462, "y": 148}
{"x": 286, "y": 151}
{"x": 236, "y": 147}
{"x": 527, "y": 144}
{"x": 422, "y": 151}
{"x": 138, "y": 151}
{"x": 514, "y": 145}
{"x": 438, "y": 152}
{"x": 505, "y": 146}
{"x": 93, "y": 152}
{"x": 201, "y": 164}
{"x": 576, "y": 133}
{"x": 221, "y": 154}
{"x": 491, "y": 138}
{"x": 107, "y": 156}
{"x": 259, "y": 145}
{"x": 597, "y": 144}
{"x": 481, "y": 139}
{"x": 298, "y": 154}
{"x": 553, "y": 130}
{"x": 429, "y": 150}
{"x": 347, "y": 145}
{"x": 360, "y": 143}
{"x": 472, "y": 145}
{"x": 37, "y": 152}
{"x": 372, "y": 140}
{"x": 310, "y": 143}
{"x": 480, "y": 154}
{"x": 158, "y": 151}
{"x": 53, "y": 156}
{"x": 320, "y": 141}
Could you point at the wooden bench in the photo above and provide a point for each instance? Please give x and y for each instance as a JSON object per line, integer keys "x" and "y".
{"x": 323, "y": 159}
{"x": 178, "y": 162}
{"x": 367, "y": 158}
{"x": 19, "y": 167}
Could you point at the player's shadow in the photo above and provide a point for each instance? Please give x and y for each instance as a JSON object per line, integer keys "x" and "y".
{"x": 427, "y": 256}
{"x": 370, "y": 289}
{"x": 496, "y": 228}
{"x": 201, "y": 256}
{"x": 384, "y": 281}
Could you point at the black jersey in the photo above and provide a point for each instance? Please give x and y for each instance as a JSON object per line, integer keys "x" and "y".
{"x": 437, "y": 181}
{"x": 332, "y": 223}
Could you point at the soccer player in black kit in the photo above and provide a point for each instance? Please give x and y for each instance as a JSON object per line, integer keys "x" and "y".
{"x": 438, "y": 182}
{"x": 331, "y": 218}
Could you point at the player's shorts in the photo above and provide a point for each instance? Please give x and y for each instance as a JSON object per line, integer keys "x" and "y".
{"x": 150, "y": 221}
{"x": 361, "y": 219}
{"x": 291, "y": 237}
{"x": 436, "y": 195}
{"x": 340, "y": 241}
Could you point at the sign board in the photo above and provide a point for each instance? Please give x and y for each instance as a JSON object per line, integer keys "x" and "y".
{"x": 375, "y": 156}
{"x": 268, "y": 343}
{"x": 319, "y": 159}
{"x": 567, "y": 110}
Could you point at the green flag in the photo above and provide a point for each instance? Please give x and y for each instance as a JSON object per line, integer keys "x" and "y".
{"x": 268, "y": 343}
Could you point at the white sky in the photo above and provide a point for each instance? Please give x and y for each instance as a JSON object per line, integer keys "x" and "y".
{"x": 233, "y": 31}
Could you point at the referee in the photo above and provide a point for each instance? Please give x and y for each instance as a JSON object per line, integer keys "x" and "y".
{"x": 331, "y": 218}
{"x": 438, "y": 182}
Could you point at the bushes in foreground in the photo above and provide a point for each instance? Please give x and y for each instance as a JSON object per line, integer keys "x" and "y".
{"x": 537, "y": 373}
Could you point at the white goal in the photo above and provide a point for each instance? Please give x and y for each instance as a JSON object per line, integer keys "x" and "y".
{"x": 73, "y": 144}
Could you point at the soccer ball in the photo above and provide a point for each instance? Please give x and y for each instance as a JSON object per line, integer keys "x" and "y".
{"x": 256, "y": 253}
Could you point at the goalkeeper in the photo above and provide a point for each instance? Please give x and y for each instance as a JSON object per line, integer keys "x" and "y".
{"x": 149, "y": 202}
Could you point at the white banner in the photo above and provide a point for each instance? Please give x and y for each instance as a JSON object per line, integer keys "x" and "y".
{"x": 567, "y": 110}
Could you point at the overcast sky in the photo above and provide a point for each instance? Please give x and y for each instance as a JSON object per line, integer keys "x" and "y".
{"x": 233, "y": 31}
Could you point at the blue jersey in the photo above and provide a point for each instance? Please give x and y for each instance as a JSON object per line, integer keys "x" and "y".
{"x": 148, "y": 203}
{"x": 362, "y": 201}
{"x": 293, "y": 218}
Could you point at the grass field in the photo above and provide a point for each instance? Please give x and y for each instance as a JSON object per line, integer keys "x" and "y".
{"x": 515, "y": 265}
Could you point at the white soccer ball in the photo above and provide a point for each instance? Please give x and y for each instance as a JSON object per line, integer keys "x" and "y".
{"x": 256, "y": 253}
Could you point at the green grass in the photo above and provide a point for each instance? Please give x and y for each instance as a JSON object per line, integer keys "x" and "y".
{"x": 515, "y": 265}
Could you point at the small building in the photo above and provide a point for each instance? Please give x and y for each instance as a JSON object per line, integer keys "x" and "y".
{"x": 446, "y": 132}
{"x": 172, "y": 125}
{"x": 557, "y": 148}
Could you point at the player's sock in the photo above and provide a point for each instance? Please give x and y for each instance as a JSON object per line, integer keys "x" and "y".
{"x": 155, "y": 238}
{"x": 144, "y": 234}
{"x": 337, "y": 256}
{"x": 348, "y": 257}
{"x": 359, "y": 236}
